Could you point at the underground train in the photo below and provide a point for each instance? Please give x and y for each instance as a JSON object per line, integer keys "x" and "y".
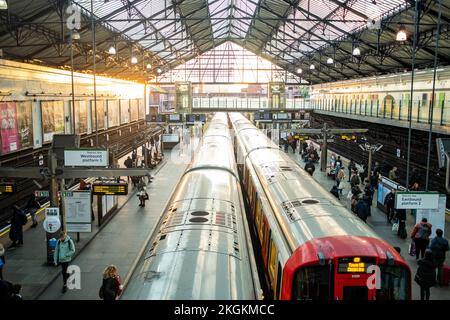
{"x": 201, "y": 248}
{"x": 36, "y": 103}
{"x": 312, "y": 247}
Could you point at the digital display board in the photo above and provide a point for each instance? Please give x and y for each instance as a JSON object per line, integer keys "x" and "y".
{"x": 191, "y": 118}
{"x": 203, "y": 118}
{"x": 354, "y": 264}
{"x": 283, "y": 116}
{"x": 7, "y": 188}
{"x": 110, "y": 189}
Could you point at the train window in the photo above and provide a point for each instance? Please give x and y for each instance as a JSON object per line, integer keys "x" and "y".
{"x": 424, "y": 102}
{"x": 134, "y": 112}
{"x": 101, "y": 112}
{"x": 312, "y": 283}
{"x": 16, "y": 126}
{"x": 441, "y": 100}
{"x": 394, "y": 283}
{"x": 124, "y": 111}
{"x": 52, "y": 119}
{"x": 81, "y": 116}
{"x": 113, "y": 113}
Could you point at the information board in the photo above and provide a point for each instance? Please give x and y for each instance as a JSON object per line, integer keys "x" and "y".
{"x": 416, "y": 200}
{"x": 86, "y": 158}
{"x": 78, "y": 210}
{"x": 110, "y": 189}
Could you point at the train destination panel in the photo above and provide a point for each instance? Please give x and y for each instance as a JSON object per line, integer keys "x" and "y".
{"x": 109, "y": 189}
{"x": 354, "y": 265}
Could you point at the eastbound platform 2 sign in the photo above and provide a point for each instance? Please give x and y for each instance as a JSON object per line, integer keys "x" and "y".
{"x": 7, "y": 188}
{"x": 416, "y": 200}
{"x": 110, "y": 189}
{"x": 86, "y": 158}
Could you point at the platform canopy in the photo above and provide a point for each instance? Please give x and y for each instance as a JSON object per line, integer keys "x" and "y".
{"x": 163, "y": 34}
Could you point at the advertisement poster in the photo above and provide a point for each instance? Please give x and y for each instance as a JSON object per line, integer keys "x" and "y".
{"x": 100, "y": 114}
{"x": 134, "y": 112}
{"x": 113, "y": 113}
{"x": 9, "y": 132}
{"x": 124, "y": 111}
{"x": 141, "y": 109}
{"x": 52, "y": 118}
{"x": 25, "y": 124}
{"x": 81, "y": 117}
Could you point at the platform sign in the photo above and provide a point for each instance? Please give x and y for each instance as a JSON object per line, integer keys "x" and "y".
{"x": 78, "y": 210}
{"x": 7, "y": 188}
{"x": 86, "y": 158}
{"x": 436, "y": 217}
{"x": 416, "y": 200}
{"x": 110, "y": 189}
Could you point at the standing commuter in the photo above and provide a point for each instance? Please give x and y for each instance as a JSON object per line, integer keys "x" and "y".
{"x": 361, "y": 209}
{"x": 393, "y": 174}
{"x": 401, "y": 216}
{"x": 143, "y": 195}
{"x": 128, "y": 164}
{"x": 421, "y": 236}
{"x": 19, "y": 219}
{"x": 33, "y": 205}
{"x": 64, "y": 251}
{"x": 111, "y": 288}
{"x": 439, "y": 246}
{"x": 351, "y": 168}
{"x": 389, "y": 202}
{"x": 309, "y": 167}
{"x": 2, "y": 260}
{"x": 426, "y": 275}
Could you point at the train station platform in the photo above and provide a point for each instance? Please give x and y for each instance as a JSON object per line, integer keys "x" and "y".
{"x": 119, "y": 241}
{"x": 378, "y": 222}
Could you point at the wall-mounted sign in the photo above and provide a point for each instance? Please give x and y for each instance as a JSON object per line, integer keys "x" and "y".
{"x": 86, "y": 158}
{"x": 52, "y": 222}
{"x": 416, "y": 200}
{"x": 110, "y": 189}
{"x": 42, "y": 193}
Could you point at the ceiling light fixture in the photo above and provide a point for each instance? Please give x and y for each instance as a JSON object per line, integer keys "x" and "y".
{"x": 330, "y": 61}
{"x": 401, "y": 34}
{"x": 134, "y": 60}
{"x": 3, "y": 5}
{"x": 112, "y": 50}
{"x": 149, "y": 66}
{"x": 75, "y": 35}
{"x": 299, "y": 70}
{"x": 356, "y": 52}
{"x": 159, "y": 70}
{"x": 312, "y": 67}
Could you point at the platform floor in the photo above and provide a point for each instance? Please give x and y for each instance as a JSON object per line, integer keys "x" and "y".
{"x": 378, "y": 222}
{"x": 122, "y": 239}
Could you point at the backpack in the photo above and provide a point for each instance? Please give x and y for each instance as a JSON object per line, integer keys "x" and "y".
{"x": 424, "y": 231}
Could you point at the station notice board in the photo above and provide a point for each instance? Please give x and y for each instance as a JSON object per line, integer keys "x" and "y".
{"x": 78, "y": 210}
{"x": 110, "y": 189}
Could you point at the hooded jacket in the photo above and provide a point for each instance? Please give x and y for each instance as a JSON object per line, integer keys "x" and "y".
{"x": 64, "y": 250}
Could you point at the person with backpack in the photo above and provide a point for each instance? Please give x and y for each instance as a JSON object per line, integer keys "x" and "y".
{"x": 64, "y": 251}
{"x": 19, "y": 219}
{"x": 143, "y": 195}
{"x": 421, "y": 237}
{"x": 310, "y": 167}
{"x": 361, "y": 209}
{"x": 354, "y": 179}
{"x": 439, "y": 246}
{"x": 426, "y": 275}
{"x": 111, "y": 288}
{"x": 389, "y": 202}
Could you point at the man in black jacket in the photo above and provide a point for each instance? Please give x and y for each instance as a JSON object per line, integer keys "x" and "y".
{"x": 309, "y": 167}
{"x": 389, "y": 202}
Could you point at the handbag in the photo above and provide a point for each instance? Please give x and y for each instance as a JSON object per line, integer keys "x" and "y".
{"x": 418, "y": 279}
{"x": 341, "y": 184}
{"x": 412, "y": 249}
{"x": 395, "y": 227}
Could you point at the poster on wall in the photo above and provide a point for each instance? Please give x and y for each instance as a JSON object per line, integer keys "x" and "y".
{"x": 100, "y": 114}
{"x": 124, "y": 111}
{"x": 134, "y": 112}
{"x": 9, "y": 130}
{"x": 52, "y": 118}
{"x": 25, "y": 124}
{"x": 77, "y": 207}
{"x": 141, "y": 108}
{"x": 81, "y": 117}
{"x": 113, "y": 113}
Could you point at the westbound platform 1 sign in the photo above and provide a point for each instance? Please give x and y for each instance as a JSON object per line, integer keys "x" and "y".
{"x": 416, "y": 200}
{"x": 86, "y": 158}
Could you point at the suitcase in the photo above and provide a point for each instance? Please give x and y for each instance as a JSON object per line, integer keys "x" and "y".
{"x": 445, "y": 276}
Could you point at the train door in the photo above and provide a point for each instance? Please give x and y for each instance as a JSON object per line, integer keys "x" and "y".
{"x": 353, "y": 287}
